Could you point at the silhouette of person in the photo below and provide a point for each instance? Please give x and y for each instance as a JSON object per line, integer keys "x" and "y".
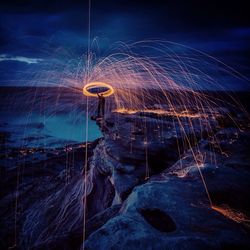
{"x": 101, "y": 105}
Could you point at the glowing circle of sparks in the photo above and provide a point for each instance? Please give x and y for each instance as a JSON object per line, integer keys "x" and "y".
{"x": 108, "y": 89}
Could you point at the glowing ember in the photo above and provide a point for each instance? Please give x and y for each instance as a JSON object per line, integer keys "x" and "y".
{"x": 160, "y": 112}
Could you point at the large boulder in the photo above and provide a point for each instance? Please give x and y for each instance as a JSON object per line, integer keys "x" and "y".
{"x": 197, "y": 203}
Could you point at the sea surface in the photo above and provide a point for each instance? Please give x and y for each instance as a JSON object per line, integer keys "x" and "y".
{"x": 23, "y": 126}
{"x": 56, "y": 117}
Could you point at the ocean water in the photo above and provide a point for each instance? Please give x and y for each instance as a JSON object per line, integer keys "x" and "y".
{"x": 44, "y": 117}
{"x": 34, "y": 129}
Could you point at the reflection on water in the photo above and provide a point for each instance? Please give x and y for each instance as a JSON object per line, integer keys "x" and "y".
{"x": 38, "y": 130}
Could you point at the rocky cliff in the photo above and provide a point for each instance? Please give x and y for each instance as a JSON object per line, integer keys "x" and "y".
{"x": 154, "y": 181}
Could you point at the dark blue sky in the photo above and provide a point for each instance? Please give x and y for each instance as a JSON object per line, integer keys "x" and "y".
{"x": 32, "y": 30}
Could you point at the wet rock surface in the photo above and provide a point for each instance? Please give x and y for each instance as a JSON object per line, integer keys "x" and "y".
{"x": 146, "y": 187}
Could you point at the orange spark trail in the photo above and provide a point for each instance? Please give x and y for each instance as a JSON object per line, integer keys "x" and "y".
{"x": 232, "y": 214}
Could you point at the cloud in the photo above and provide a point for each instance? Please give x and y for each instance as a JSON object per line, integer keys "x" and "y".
{"x": 36, "y": 33}
{"x": 23, "y": 59}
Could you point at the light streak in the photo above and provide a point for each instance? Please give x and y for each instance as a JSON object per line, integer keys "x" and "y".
{"x": 87, "y": 131}
{"x": 95, "y": 85}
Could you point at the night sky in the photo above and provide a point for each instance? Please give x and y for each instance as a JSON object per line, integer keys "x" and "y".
{"x": 31, "y": 31}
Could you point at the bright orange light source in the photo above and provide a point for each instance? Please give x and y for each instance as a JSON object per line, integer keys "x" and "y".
{"x": 94, "y": 88}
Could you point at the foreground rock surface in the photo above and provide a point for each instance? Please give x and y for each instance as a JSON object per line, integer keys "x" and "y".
{"x": 172, "y": 210}
{"x": 144, "y": 189}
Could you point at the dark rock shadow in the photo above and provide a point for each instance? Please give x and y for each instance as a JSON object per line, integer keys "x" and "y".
{"x": 159, "y": 220}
